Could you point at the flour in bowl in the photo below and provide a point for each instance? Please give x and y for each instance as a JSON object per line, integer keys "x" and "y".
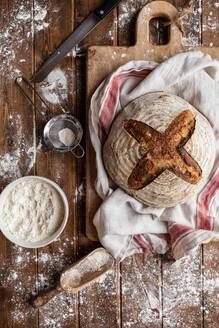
{"x": 32, "y": 210}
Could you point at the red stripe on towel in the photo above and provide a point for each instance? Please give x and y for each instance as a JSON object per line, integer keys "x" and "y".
{"x": 109, "y": 105}
{"x": 204, "y": 219}
{"x": 177, "y": 232}
{"x": 143, "y": 243}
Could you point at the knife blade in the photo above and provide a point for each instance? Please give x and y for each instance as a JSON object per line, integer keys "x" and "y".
{"x": 74, "y": 38}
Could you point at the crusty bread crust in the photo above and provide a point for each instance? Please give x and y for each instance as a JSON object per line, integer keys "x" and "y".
{"x": 164, "y": 151}
{"x": 195, "y": 143}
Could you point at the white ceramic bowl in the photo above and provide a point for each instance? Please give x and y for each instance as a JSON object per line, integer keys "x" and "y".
{"x": 47, "y": 240}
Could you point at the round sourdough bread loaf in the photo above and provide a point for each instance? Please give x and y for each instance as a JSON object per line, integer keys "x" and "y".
{"x": 122, "y": 152}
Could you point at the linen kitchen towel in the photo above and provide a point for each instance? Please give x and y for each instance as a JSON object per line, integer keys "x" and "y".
{"x": 124, "y": 225}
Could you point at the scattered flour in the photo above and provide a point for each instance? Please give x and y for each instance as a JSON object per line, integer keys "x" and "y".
{"x": 54, "y": 88}
{"x": 32, "y": 210}
{"x": 20, "y": 23}
{"x": 79, "y": 193}
{"x": 192, "y": 23}
{"x": 99, "y": 303}
{"x": 20, "y": 282}
{"x": 211, "y": 24}
{"x": 22, "y": 153}
{"x": 181, "y": 286}
{"x": 9, "y": 165}
{"x": 127, "y": 10}
{"x": 38, "y": 16}
{"x": 65, "y": 316}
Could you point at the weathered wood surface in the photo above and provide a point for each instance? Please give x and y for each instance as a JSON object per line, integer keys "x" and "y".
{"x": 188, "y": 291}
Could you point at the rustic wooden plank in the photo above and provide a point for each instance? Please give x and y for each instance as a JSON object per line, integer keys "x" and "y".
{"x": 140, "y": 278}
{"x": 105, "y": 33}
{"x": 18, "y": 267}
{"x": 191, "y": 13}
{"x": 182, "y": 292}
{"x": 62, "y": 310}
{"x": 210, "y": 18}
{"x": 182, "y": 281}
{"x": 99, "y": 302}
{"x": 211, "y": 285}
{"x": 18, "y": 276}
{"x": 60, "y": 91}
{"x": 126, "y": 21}
{"x": 210, "y": 37}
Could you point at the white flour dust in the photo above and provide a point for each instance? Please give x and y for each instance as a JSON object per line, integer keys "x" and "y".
{"x": 40, "y": 14}
{"x": 140, "y": 279}
{"x": 54, "y": 88}
{"x": 50, "y": 265}
{"x": 21, "y": 154}
{"x": 181, "y": 287}
{"x": 182, "y": 290}
{"x": 127, "y": 11}
{"x": 59, "y": 312}
{"x": 9, "y": 165}
{"x": 38, "y": 17}
{"x": 192, "y": 23}
{"x": 79, "y": 193}
{"x": 19, "y": 25}
{"x": 99, "y": 302}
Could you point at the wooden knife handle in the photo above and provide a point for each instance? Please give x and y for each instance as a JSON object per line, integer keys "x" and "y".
{"x": 45, "y": 296}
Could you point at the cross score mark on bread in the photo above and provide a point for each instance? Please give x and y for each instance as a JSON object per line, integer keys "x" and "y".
{"x": 164, "y": 151}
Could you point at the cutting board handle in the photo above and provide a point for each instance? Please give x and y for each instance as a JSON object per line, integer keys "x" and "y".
{"x": 154, "y": 10}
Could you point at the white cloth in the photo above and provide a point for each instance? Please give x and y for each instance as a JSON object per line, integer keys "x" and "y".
{"x": 124, "y": 225}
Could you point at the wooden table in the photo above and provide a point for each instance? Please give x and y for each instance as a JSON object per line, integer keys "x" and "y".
{"x": 189, "y": 290}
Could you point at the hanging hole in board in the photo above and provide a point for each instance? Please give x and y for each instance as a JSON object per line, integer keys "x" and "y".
{"x": 159, "y": 30}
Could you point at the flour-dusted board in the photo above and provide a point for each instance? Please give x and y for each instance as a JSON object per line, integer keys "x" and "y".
{"x": 103, "y": 60}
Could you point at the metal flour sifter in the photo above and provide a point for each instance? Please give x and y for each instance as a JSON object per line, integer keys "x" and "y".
{"x": 55, "y": 125}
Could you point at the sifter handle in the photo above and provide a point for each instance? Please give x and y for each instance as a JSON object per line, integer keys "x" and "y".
{"x": 45, "y": 296}
{"x": 78, "y": 151}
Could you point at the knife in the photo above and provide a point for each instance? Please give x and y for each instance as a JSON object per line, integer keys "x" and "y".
{"x": 74, "y": 38}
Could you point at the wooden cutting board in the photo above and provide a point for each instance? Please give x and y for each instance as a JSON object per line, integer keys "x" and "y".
{"x": 102, "y": 60}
